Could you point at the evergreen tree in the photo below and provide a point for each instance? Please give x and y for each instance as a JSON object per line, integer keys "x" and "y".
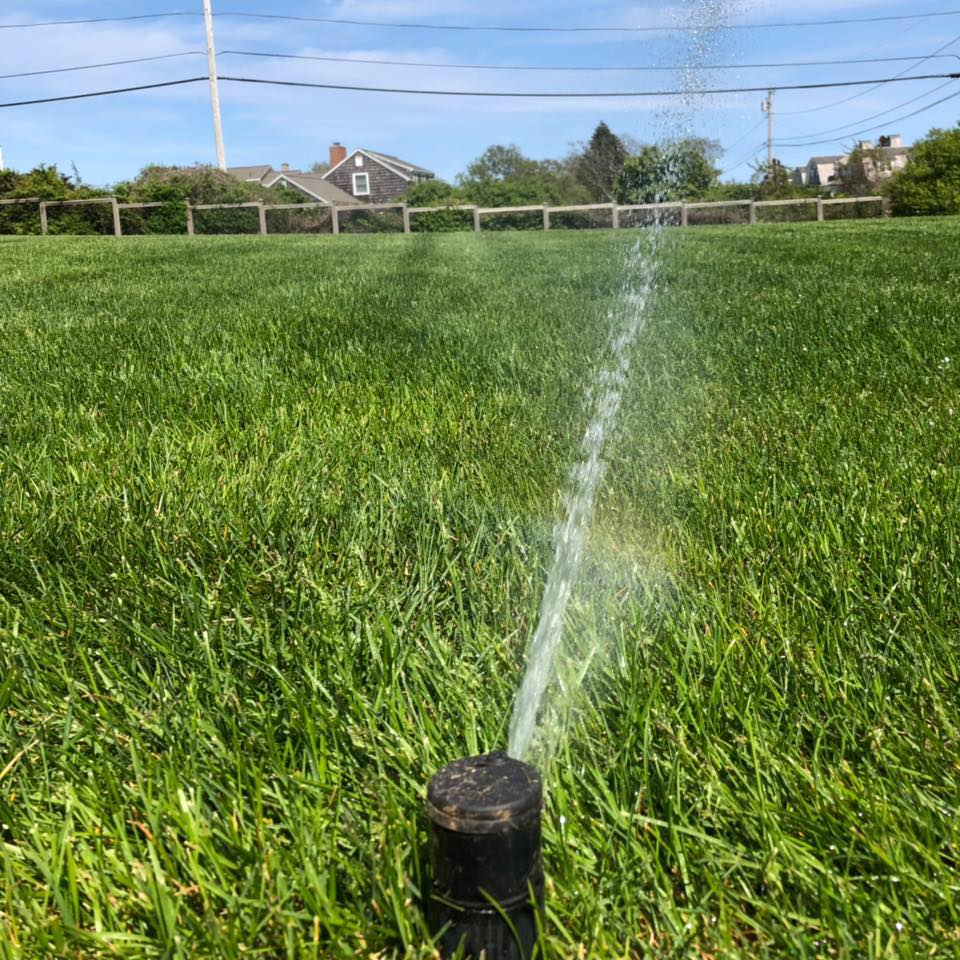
{"x": 600, "y": 162}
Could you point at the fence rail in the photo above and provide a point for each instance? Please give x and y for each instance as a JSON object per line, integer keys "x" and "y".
{"x": 407, "y": 213}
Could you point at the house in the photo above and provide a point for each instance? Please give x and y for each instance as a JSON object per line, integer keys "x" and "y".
{"x": 249, "y": 174}
{"x": 879, "y": 161}
{"x": 312, "y": 185}
{"x": 820, "y": 172}
{"x": 882, "y": 161}
{"x": 372, "y": 177}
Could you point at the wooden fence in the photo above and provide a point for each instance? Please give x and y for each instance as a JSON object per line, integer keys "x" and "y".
{"x": 674, "y": 214}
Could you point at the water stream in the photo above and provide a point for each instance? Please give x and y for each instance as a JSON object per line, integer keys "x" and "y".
{"x": 626, "y": 319}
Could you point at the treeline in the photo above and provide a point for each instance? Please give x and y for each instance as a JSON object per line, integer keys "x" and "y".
{"x": 607, "y": 169}
{"x": 172, "y": 187}
{"x": 613, "y": 169}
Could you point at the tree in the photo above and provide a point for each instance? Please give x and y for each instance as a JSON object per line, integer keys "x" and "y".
{"x": 48, "y": 183}
{"x": 502, "y": 176}
{"x": 320, "y": 167}
{"x": 863, "y": 169}
{"x": 498, "y": 163}
{"x": 930, "y": 182}
{"x": 673, "y": 170}
{"x": 432, "y": 193}
{"x": 772, "y": 181}
{"x": 597, "y": 166}
{"x": 198, "y": 184}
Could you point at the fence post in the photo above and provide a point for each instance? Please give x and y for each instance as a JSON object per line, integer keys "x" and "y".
{"x": 546, "y": 218}
{"x": 43, "y": 218}
{"x": 753, "y": 213}
{"x": 885, "y": 210}
{"x": 406, "y": 218}
{"x": 819, "y": 209}
{"x": 334, "y": 219}
{"x": 117, "y": 229}
{"x": 189, "y": 218}
{"x": 684, "y": 219}
{"x": 263, "y": 218}
{"x": 615, "y": 218}
{"x": 476, "y": 219}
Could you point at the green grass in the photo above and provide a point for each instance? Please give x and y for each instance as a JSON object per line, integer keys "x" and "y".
{"x": 275, "y": 516}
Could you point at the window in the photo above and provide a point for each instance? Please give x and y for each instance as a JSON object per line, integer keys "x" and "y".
{"x": 361, "y": 184}
{"x": 358, "y": 160}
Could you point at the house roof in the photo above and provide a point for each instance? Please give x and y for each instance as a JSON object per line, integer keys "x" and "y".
{"x": 397, "y": 162}
{"x": 398, "y": 166}
{"x": 312, "y": 184}
{"x": 249, "y": 173}
{"x": 821, "y": 160}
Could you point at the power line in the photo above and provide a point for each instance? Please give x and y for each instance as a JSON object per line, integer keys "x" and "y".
{"x": 474, "y": 93}
{"x": 898, "y": 40}
{"x": 677, "y": 28}
{"x": 461, "y": 66}
{"x": 457, "y": 66}
{"x": 106, "y": 93}
{"x": 564, "y": 69}
{"x": 582, "y": 94}
{"x": 61, "y": 23}
{"x": 621, "y": 29}
{"x": 757, "y": 149}
{"x": 740, "y": 140}
{"x": 106, "y": 63}
{"x": 873, "y": 116}
{"x": 856, "y": 133}
{"x": 936, "y": 53}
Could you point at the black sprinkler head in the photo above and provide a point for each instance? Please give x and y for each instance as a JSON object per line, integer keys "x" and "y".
{"x": 485, "y": 848}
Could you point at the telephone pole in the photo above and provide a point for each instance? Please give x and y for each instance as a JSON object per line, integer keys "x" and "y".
{"x": 214, "y": 90}
{"x": 767, "y": 107}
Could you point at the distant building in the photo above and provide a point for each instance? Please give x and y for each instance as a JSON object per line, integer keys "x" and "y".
{"x": 312, "y": 185}
{"x": 879, "y": 161}
{"x": 820, "y": 172}
{"x": 886, "y": 158}
{"x": 372, "y": 177}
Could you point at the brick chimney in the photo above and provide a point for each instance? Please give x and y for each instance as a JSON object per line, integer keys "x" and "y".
{"x": 338, "y": 153}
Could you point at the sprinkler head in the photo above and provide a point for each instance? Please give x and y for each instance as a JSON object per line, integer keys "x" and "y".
{"x": 485, "y": 849}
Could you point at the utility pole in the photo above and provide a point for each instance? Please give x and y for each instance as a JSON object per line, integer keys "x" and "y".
{"x": 1, "y": 159}
{"x": 214, "y": 90}
{"x": 767, "y": 107}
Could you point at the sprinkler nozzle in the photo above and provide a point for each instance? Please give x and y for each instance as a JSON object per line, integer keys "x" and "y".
{"x": 485, "y": 849}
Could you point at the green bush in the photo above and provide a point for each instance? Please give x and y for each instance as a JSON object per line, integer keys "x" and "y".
{"x": 167, "y": 219}
{"x": 47, "y": 183}
{"x": 930, "y": 183}
{"x": 447, "y": 220}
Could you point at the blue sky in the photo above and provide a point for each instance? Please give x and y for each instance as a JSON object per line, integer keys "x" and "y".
{"x": 111, "y": 138}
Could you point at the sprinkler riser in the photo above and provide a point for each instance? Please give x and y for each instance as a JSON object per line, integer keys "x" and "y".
{"x": 485, "y": 849}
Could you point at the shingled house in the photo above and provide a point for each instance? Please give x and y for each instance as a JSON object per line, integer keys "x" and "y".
{"x": 372, "y": 177}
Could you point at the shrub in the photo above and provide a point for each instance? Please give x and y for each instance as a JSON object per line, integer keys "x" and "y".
{"x": 930, "y": 183}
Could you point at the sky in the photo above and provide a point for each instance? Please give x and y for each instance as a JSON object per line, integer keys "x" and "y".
{"x": 108, "y": 139}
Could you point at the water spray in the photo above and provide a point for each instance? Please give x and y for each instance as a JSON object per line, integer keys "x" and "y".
{"x": 488, "y": 893}
{"x": 487, "y": 896}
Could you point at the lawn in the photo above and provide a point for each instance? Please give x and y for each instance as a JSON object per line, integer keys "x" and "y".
{"x": 275, "y": 519}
